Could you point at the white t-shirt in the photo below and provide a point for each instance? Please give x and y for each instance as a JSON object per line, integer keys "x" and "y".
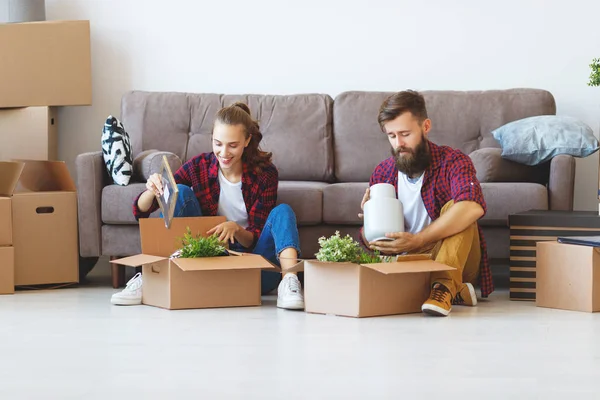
{"x": 231, "y": 202}
{"x": 415, "y": 213}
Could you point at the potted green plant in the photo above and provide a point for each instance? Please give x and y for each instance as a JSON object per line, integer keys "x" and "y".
{"x": 199, "y": 246}
{"x": 595, "y": 73}
{"x": 345, "y": 249}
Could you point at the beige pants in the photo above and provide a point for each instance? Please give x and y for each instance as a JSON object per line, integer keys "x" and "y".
{"x": 461, "y": 251}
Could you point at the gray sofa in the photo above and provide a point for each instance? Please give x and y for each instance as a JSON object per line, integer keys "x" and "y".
{"x": 325, "y": 151}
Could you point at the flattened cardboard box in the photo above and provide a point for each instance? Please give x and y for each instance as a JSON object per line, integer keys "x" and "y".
{"x": 45, "y": 63}
{"x": 28, "y": 133}
{"x": 185, "y": 283}
{"x": 568, "y": 277}
{"x": 369, "y": 290}
{"x": 44, "y": 214}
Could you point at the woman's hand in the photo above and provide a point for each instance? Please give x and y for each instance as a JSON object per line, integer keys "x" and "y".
{"x": 154, "y": 184}
{"x": 226, "y": 231}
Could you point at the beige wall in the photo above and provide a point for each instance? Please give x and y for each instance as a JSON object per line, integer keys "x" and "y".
{"x": 331, "y": 46}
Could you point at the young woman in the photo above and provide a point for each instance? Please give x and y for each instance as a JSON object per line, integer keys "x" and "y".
{"x": 239, "y": 181}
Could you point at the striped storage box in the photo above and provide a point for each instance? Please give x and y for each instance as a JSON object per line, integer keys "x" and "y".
{"x": 528, "y": 228}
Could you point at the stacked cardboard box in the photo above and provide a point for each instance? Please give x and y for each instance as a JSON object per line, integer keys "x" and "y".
{"x": 38, "y": 224}
{"x": 46, "y": 65}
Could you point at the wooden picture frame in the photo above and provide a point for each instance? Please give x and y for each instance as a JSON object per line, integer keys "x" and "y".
{"x": 168, "y": 199}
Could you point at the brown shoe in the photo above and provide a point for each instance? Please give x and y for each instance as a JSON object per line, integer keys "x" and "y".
{"x": 440, "y": 301}
{"x": 466, "y": 296}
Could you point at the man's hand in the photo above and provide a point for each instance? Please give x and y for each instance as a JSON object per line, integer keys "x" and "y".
{"x": 366, "y": 198}
{"x": 403, "y": 242}
{"x": 226, "y": 231}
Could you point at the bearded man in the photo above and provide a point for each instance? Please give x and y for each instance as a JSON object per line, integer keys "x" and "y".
{"x": 442, "y": 201}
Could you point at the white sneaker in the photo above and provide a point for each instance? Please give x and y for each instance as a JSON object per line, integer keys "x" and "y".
{"x": 131, "y": 295}
{"x": 289, "y": 293}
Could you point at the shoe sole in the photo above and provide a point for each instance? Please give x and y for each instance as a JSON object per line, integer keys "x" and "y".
{"x": 473, "y": 294}
{"x": 291, "y": 305}
{"x": 434, "y": 310}
{"x": 125, "y": 302}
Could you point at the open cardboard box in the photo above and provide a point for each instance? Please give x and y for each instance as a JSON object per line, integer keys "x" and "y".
{"x": 183, "y": 283}
{"x": 368, "y": 290}
{"x": 44, "y": 217}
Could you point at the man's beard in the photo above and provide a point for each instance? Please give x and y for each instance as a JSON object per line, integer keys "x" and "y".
{"x": 414, "y": 163}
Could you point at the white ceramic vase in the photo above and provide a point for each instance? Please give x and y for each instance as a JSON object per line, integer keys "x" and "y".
{"x": 383, "y": 213}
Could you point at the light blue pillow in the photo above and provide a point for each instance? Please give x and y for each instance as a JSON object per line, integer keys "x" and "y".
{"x": 534, "y": 140}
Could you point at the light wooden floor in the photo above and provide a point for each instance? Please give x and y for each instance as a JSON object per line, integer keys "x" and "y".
{"x": 72, "y": 344}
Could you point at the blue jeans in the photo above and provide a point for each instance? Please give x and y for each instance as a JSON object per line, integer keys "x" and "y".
{"x": 279, "y": 233}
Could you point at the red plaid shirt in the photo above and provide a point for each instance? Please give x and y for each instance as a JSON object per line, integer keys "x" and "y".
{"x": 201, "y": 173}
{"x": 451, "y": 176}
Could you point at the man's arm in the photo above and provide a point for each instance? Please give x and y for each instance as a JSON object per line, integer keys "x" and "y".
{"x": 458, "y": 218}
{"x": 469, "y": 206}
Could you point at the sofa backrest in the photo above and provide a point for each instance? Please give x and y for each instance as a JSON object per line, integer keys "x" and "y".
{"x": 461, "y": 119}
{"x": 296, "y": 128}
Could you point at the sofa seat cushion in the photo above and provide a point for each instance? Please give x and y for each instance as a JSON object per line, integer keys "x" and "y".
{"x": 503, "y": 199}
{"x": 305, "y": 198}
{"x": 117, "y": 203}
{"x": 341, "y": 202}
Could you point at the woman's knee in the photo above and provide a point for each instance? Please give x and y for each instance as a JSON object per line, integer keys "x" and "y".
{"x": 184, "y": 191}
{"x": 283, "y": 210}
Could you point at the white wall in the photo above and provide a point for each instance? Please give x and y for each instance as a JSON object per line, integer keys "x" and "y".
{"x": 280, "y": 47}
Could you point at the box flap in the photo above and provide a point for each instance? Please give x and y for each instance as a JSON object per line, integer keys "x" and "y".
{"x": 138, "y": 260}
{"x": 159, "y": 240}
{"x": 247, "y": 261}
{"x": 9, "y": 176}
{"x": 272, "y": 267}
{"x": 407, "y": 267}
{"x": 45, "y": 176}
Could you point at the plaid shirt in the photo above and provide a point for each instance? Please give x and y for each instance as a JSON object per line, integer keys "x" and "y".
{"x": 201, "y": 173}
{"x": 451, "y": 176}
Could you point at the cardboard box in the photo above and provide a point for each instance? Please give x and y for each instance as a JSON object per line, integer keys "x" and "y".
{"x": 45, "y": 63}
{"x": 44, "y": 214}
{"x": 28, "y": 133}
{"x": 9, "y": 176}
{"x": 568, "y": 277}
{"x": 7, "y": 270}
{"x": 182, "y": 283}
{"x": 368, "y": 290}
{"x": 530, "y": 227}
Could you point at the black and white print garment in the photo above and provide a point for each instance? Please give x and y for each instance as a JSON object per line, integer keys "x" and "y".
{"x": 116, "y": 149}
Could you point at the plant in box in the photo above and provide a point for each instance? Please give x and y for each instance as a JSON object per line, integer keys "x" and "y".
{"x": 345, "y": 249}
{"x": 199, "y": 246}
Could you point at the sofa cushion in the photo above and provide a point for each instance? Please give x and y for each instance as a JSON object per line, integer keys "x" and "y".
{"x": 117, "y": 203}
{"x": 491, "y": 167}
{"x": 150, "y": 162}
{"x": 341, "y": 202}
{"x": 506, "y": 198}
{"x": 535, "y": 140}
{"x": 116, "y": 149}
{"x": 463, "y": 120}
{"x": 305, "y": 198}
{"x": 296, "y": 128}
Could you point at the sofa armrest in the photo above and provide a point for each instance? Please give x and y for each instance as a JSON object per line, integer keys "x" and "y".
{"x": 91, "y": 178}
{"x": 561, "y": 183}
{"x": 149, "y": 162}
